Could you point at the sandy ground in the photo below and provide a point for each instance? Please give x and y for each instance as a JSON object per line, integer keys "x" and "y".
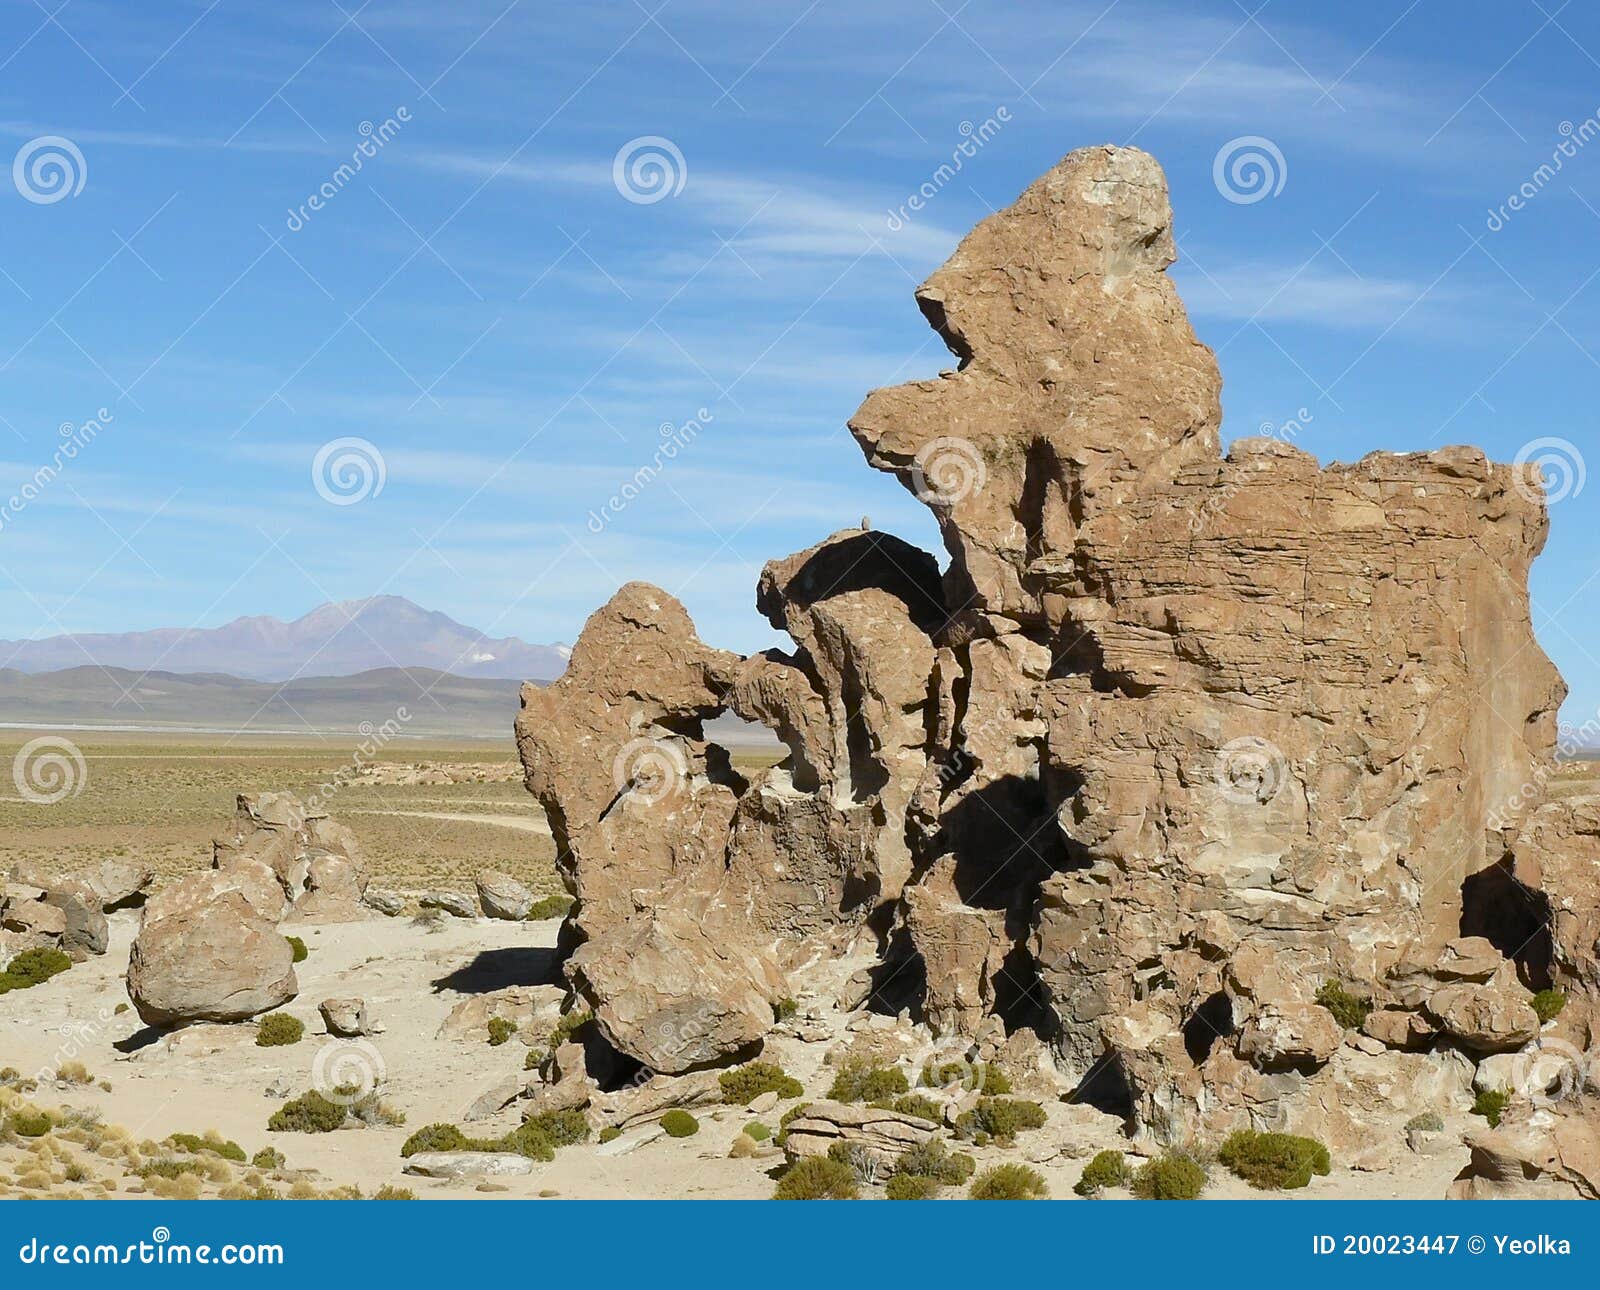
{"x": 214, "y": 1077}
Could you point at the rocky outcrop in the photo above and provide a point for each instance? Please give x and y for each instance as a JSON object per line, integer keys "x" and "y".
{"x": 316, "y": 861}
{"x": 1178, "y": 743}
{"x": 502, "y": 896}
{"x": 883, "y": 1135}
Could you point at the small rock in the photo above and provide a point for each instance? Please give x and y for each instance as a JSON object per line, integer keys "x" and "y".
{"x": 278, "y": 1088}
{"x": 452, "y": 902}
{"x": 468, "y": 1164}
{"x": 346, "y": 1018}
{"x": 631, "y": 1140}
{"x": 385, "y": 902}
{"x": 763, "y": 1102}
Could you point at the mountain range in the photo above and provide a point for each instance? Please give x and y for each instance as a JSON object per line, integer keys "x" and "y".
{"x": 341, "y": 638}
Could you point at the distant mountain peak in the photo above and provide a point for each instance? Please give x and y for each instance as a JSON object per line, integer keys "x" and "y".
{"x": 339, "y": 638}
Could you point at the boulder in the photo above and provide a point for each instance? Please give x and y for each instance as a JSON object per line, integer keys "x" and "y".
{"x": 1491, "y": 1016}
{"x": 648, "y": 1101}
{"x": 502, "y": 896}
{"x": 388, "y": 903}
{"x": 1539, "y": 1154}
{"x": 220, "y": 961}
{"x": 86, "y": 930}
{"x": 120, "y": 884}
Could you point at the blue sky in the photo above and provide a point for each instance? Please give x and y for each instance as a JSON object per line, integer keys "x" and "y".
{"x": 484, "y": 304}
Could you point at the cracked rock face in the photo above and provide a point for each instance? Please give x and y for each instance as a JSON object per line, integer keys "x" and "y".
{"x": 1176, "y": 739}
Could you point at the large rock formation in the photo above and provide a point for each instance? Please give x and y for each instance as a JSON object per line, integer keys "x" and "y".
{"x": 1177, "y": 740}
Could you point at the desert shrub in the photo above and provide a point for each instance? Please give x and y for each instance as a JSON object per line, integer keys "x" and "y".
{"x": 390, "y": 1192}
{"x": 562, "y": 1128}
{"x": 680, "y": 1124}
{"x": 33, "y": 967}
{"x": 1274, "y": 1161}
{"x": 610, "y": 1133}
{"x": 167, "y": 1168}
{"x": 859, "y": 1082}
{"x": 30, "y": 1124}
{"x": 1491, "y": 1105}
{"x": 549, "y": 907}
{"x": 1349, "y": 1010}
{"x": 919, "y": 1105}
{"x": 866, "y": 1164}
{"x": 297, "y": 948}
{"x": 211, "y": 1143}
{"x": 817, "y": 1178}
{"x": 268, "y": 1158}
{"x": 743, "y": 1147}
{"x": 1548, "y": 1004}
{"x": 500, "y": 1030}
{"x": 74, "y": 1073}
{"x": 744, "y": 1084}
{"x": 970, "y": 1075}
{"x": 1000, "y": 1117}
{"x": 911, "y": 1187}
{"x": 527, "y": 1139}
{"x": 757, "y": 1131}
{"x": 1108, "y": 1169}
{"x": 279, "y": 1028}
{"x": 1009, "y": 1182}
{"x": 435, "y": 1137}
{"x": 308, "y": 1113}
{"x": 1427, "y": 1122}
{"x": 1173, "y": 1176}
{"x": 932, "y": 1159}
{"x": 784, "y": 1009}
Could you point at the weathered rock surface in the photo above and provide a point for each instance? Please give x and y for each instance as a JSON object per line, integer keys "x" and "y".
{"x": 1541, "y": 1154}
{"x": 468, "y": 1164}
{"x": 884, "y": 1134}
{"x": 316, "y": 861}
{"x": 346, "y": 1018}
{"x": 502, "y": 896}
{"x": 1177, "y": 740}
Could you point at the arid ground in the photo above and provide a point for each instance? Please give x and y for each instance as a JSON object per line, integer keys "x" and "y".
{"x": 118, "y": 1092}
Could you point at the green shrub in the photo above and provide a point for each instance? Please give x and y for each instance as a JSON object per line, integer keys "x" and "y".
{"x": 984, "y": 1076}
{"x": 500, "y": 1030}
{"x": 33, "y": 967}
{"x": 1427, "y": 1122}
{"x": 680, "y": 1124}
{"x": 435, "y": 1137}
{"x": 194, "y": 1143}
{"x": 1169, "y": 1177}
{"x": 550, "y": 907}
{"x": 169, "y": 1168}
{"x": 932, "y": 1159}
{"x": 1491, "y": 1105}
{"x": 1349, "y": 1010}
{"x": 1548, "y": 1004}
{"x": 817, "y": 1178}
{"x": 30, "y": 1124}
{"x": 1108, "y": 1169}
{"x": 298, "y": 948}
{"x": 1009, "y": 1182}
{"x": 859, "y": 1082}
{"x": 755, "y": 1129}
{"x": 924, "y": 1108}
{"x": 744, "y": 1084}
{"x": 911, "y": 1187}
{"x": 610, "y": 1133}
{"x": 277, "y": 1029}
{"x": 268, "y": 1158}
{"x": 784, "y": 1009}
{"x": 1000, "y": 1117}
{"x": 527, "y": 1139}
{"x": 562, "y": 1128}
{"x": 390, "y": 1192}
{"x": 308, "y": 1113}
{"x": 1274, "y": 1161}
